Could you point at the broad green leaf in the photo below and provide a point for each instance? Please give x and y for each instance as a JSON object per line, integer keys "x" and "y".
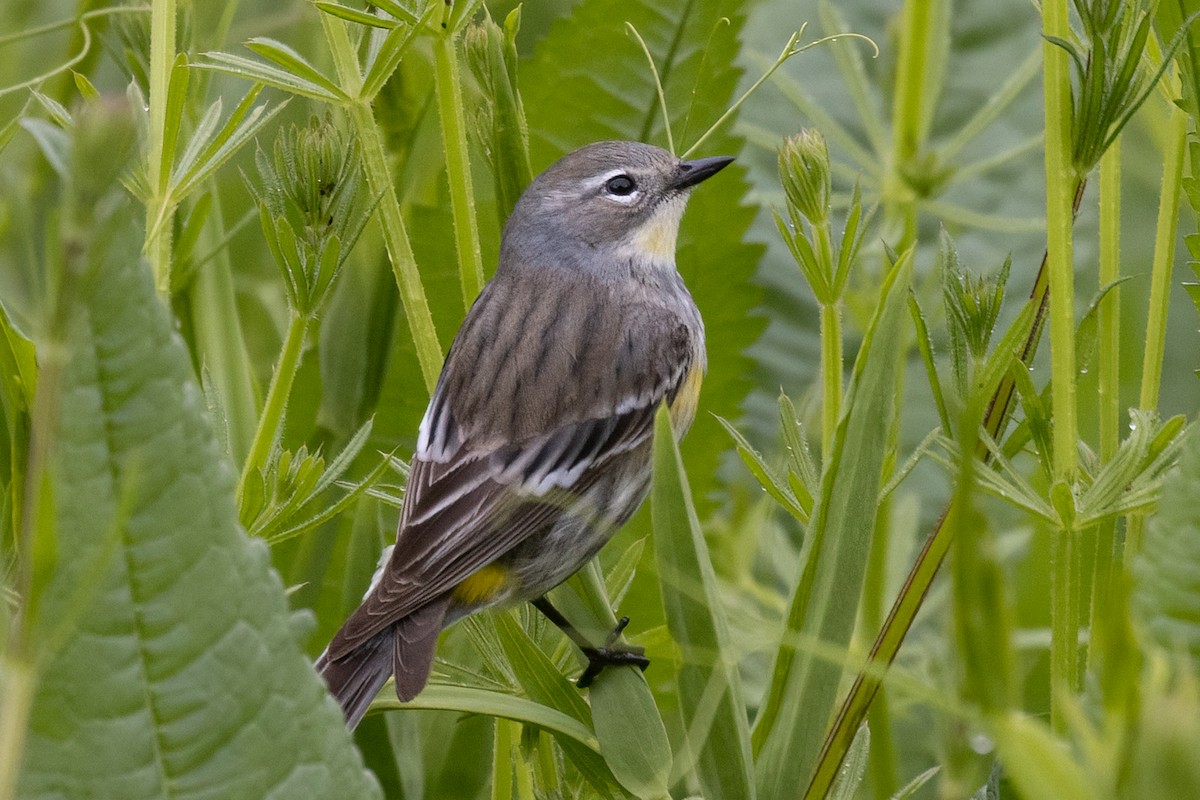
{"x": 546, "y": 685}
{"x": 632, "y": 738}
{"x": 571, "y": 101}
{"x": 823, "y": 609}
{"x": 715, "y": 726}
{"x": 181, "y": 676}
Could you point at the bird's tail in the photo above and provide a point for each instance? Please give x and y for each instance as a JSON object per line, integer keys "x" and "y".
{"x": 405, "y": 649}
{"x": 355, "y": 679}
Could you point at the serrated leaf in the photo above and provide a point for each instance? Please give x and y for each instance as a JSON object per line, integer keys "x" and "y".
{"x": 611, "y": 94}
{"x": 182, "y": 675}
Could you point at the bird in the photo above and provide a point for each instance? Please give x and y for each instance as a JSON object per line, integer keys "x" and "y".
{"x": 536, "y": 444}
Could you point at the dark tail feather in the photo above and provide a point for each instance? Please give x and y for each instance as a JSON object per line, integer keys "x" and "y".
{"x": 406, "y": 649}
{"x": 413, "y": 646}
{"x": 355, "y": 679}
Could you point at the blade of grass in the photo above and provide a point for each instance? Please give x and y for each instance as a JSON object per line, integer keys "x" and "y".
{"x": 717, "y": 734}
{"x": 796, "y": 711}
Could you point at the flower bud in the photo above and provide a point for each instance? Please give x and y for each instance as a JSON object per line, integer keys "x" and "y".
{"x": 804, "y": 169}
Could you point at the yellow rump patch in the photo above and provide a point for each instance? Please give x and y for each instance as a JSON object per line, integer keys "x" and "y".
{"x": 683, "y": 408}
{"x": 482, "y": 586}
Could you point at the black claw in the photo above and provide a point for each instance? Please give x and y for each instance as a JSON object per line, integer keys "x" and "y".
{"x": 610, "y": 656}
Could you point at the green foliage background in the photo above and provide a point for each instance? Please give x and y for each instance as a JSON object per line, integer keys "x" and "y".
{"x": 154, "y": 649}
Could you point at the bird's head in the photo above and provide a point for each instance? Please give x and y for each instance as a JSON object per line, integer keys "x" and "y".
{"x": 606, "y": 204}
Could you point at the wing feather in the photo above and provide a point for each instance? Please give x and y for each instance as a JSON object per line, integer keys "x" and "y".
{"x": 497, "y": 441}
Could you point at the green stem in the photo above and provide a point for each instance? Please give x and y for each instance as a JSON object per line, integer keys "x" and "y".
{"x": 1108, "y": 377}
{"x": 1164, "y": 257}
{"x": 1064, "y": 627}
{"x": 379, "y": 181}
{"x": 19, "y": 680}
{"x": 831, "y": 374}
{"x": 158, "y": 229}
{"x": 448, "y": 82}
{"x": 1060, "y": 184}
{"x": 1160, "y": 290}
{"x": 933, "y": 552}
{"x": 270, "y": 423}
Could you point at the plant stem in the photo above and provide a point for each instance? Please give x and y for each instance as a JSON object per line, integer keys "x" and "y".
{"x": 270, "y": 423}
{"x": 1164, "y": 257}
{"x": 162, "y": 58}
{"x": 831, "y": 373}
{"x": 1160, "y": 289}
{"x": 19, "y": 681}
{"x": 1108, "y": 376}
{"x": 1060, "y": 182}
{"x": 448, "y": 88}
{"x": 1064, "y": 626}
{"x": 916, "y": 585}
{"x": 379, "y": 181}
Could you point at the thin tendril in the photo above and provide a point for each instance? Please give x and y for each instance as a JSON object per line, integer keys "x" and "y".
{"x": 662, "y": 98}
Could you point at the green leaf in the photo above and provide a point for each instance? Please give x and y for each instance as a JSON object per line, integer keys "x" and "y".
{"x": 777, "y": 487}
{"x": 259, "y": 72}
{"x": 546, "y": 685}
{"x": 633, "y": 740}
{"x": 181, "y": 677}
{"x": 854, "y": 767}
{"x": 611, "y": 94}
{"x": 1037, "y": 763}
{"x": 470, "y": 700}
{"x": 796, "y": 711}
{"x": 395, "y": 44}
{"x": 293, "y": 62}
{"x": 356, "y": 15}
{"x": 1166, "y": 594}
{"x": 716, "y": 729}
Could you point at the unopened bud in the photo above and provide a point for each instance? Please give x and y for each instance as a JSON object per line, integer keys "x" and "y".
{"x": 804, "y": 169}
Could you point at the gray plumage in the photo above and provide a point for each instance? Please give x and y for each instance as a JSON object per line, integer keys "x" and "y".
{"x": 536, "y": 443}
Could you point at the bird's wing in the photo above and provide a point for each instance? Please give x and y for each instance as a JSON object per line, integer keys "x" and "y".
{"x": 525, "y": 409}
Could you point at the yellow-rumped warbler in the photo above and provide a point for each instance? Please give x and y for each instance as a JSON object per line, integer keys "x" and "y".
{"x": 536, "y": 445}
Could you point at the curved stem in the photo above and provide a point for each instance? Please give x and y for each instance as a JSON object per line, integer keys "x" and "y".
{"x": 270, "y": 423}
{"x": 379, "y": 181}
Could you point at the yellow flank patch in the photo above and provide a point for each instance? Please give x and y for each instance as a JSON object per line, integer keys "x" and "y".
{"x": 482, "y": 586}
{"x": 656, "y": 239}
{"x": 683, "y": 407}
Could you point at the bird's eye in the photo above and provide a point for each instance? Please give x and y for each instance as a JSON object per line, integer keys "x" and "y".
{"x": 620, "y": 185}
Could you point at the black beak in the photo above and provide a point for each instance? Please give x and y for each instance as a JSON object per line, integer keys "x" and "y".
{"x": 692, "y": 172}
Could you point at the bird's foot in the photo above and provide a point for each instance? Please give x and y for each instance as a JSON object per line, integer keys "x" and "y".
{"x": 611, "y": 655}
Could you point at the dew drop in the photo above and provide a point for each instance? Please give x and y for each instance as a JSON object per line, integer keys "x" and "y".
{"x": 981, "y": 743}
